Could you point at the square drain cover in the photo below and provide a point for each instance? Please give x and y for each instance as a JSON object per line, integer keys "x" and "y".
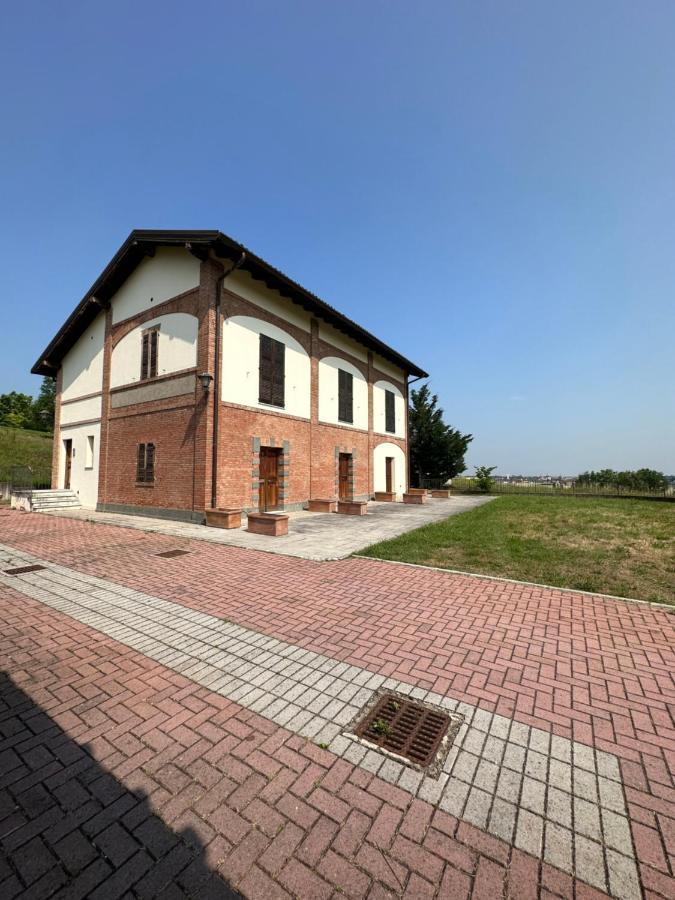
{"x": 23, "y": 570}
{"x": 405, "y": 728}
{"x": 169, "y": 554}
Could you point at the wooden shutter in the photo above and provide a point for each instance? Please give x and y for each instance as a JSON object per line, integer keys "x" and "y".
{"x": 272, "y": 371}
{"x": 154, "y": 338}
{"x": 149, "y": 463}
{"x": 140, "y": 463}
{"x": 345, "y": 396}
{"x": 145, "y": 355}
{"x": 389, "y": 411}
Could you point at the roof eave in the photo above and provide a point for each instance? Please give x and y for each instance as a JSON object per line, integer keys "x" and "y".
{"x": 45, "y": 365}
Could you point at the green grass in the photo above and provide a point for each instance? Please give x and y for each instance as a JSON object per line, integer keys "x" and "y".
{"x": 622, "y": 547}
{"x": 20, "y": 447}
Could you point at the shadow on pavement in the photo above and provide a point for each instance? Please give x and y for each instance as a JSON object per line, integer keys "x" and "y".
{"x": 68, "y": 828}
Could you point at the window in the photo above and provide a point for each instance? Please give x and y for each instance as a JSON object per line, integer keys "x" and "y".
{"x": 89, "y": 452}
{"x": 145, "y": 464}
{"x": 345, "y": 396}
{"x": 389, "y": 412}
{"x": 272, "y": 371}
{"x": 150, "y": 340}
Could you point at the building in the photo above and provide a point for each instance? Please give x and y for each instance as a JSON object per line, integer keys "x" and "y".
{"x": 194, "y": 375}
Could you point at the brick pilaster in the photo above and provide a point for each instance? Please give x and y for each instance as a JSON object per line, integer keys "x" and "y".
{"x": 206, "y": 362}
{"x": 104, "y": 448}
{"x": 56, "y": 440}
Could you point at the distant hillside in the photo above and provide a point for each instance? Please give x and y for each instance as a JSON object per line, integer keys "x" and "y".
{"x": 20, "y": 447}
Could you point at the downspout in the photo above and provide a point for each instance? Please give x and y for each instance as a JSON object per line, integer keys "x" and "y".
{"x": 407, "y": 420}
{"x": 216, "y": 380}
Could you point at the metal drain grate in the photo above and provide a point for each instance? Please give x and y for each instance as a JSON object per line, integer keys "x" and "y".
{"x": 405, "y": 728}
{"x": 170, "y": 554}
{"x": 23, "y": 570}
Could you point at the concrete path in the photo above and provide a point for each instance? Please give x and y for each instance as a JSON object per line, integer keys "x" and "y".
{"x": 310, "y": 535}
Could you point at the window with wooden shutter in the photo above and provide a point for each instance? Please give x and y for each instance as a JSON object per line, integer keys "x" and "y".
{"x": 389, "y": 412}
{"x": 149, "y": 347}
{"x": 271, "y": 371}
{"x": 345, "y": 396}
{"x": 145, "y": 464}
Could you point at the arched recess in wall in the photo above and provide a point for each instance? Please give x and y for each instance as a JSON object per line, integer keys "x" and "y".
{"x": 380, "y": 389}
{"x": 399, "y": 468}
{"x": 328, "y": 392}
{"x": 241, "y": 361}
{"x": 176, "y": 348}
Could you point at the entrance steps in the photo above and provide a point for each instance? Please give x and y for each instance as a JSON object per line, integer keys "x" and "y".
{"x": 60, "y": 499}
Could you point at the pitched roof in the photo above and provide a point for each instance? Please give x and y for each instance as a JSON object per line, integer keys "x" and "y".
{"x": 140, "y": 243}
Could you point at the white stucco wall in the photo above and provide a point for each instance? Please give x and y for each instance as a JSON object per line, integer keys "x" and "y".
{"x": 386, "y": 368}
{"x": 83, "y": 364}
{"x": 171, "y": 271}
{"x": 337, "y": 339}
{"x": 380, "y": 453}
{"x": 241, "y": 358}
{"x": 328, "y": 393}
{"x": 379, "y": 409}
{"x": 176, "y": 348}
{"x": 245, "y": 286}
{"x": 81, "y": 410}
{"x": 83, "y": 480}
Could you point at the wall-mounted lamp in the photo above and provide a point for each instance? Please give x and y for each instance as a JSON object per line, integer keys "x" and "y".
{"x": 206, "y": 378}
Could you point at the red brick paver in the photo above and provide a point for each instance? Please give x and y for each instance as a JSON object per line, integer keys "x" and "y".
{"x": 598, "y": 671}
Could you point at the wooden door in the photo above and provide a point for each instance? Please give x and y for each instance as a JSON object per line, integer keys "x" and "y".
{"x": 389, "y": 463}
{"x": 269, "y": 478}
{"x": 68, "y": 446}
{"x": 344, "y": 489}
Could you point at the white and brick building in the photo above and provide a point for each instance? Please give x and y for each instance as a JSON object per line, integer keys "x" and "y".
{"x": 194, "y": 375}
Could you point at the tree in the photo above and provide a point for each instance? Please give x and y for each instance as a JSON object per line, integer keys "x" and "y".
{"x": 15, "y": 409}
{"x": 436, "y": 450}
{"x": 484, "y": 479}
{"x": 42, "y": 413}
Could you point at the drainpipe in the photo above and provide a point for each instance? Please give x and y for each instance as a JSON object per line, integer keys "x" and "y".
{"x": 407, "y": 420}
{"x": 216, "y": 380}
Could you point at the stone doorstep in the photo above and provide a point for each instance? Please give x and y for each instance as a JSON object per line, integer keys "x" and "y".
{"x": 322, "y": 505}
{"x": 385, "y": 496}
{"x": 271, "y": 524}
{"x": 353, "y": 507}
{"x": 223, "y": 518}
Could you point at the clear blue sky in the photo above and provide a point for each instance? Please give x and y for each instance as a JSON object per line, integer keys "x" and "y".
{"x": 488, "y": 186}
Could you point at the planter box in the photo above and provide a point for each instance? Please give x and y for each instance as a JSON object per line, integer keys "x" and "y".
{"x": 322, "y": 506}
{"x": 223, "y": 518}
{"x": 352, "y": 507}
{"x": 441, "y": 494}
{"x": 415, "y": 498}
{"x": 385, "y": 496}
{"x": 422, "y": 491}
{"x": 271, "y": 524}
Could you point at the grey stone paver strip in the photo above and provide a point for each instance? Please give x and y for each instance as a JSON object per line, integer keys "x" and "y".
{"x": 557, "y": 800}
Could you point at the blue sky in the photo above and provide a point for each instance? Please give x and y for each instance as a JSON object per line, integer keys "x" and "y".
{"x": 488, "y": 186}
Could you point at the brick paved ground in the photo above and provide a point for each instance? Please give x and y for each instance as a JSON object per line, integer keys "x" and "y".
{"x": 597, "y": 671}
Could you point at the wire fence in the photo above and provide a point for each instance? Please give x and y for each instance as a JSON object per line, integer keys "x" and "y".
{"x": 553, "y": 489}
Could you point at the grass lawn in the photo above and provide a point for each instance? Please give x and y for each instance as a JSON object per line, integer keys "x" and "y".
{"x": 20, "y": 447}
{"x": 622, "y": 547}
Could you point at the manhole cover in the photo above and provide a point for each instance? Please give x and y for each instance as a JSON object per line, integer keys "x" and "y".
{"x": 169, "y": 554}
{"x": 405, "y": 728}
{"x": 23, "y": 570}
